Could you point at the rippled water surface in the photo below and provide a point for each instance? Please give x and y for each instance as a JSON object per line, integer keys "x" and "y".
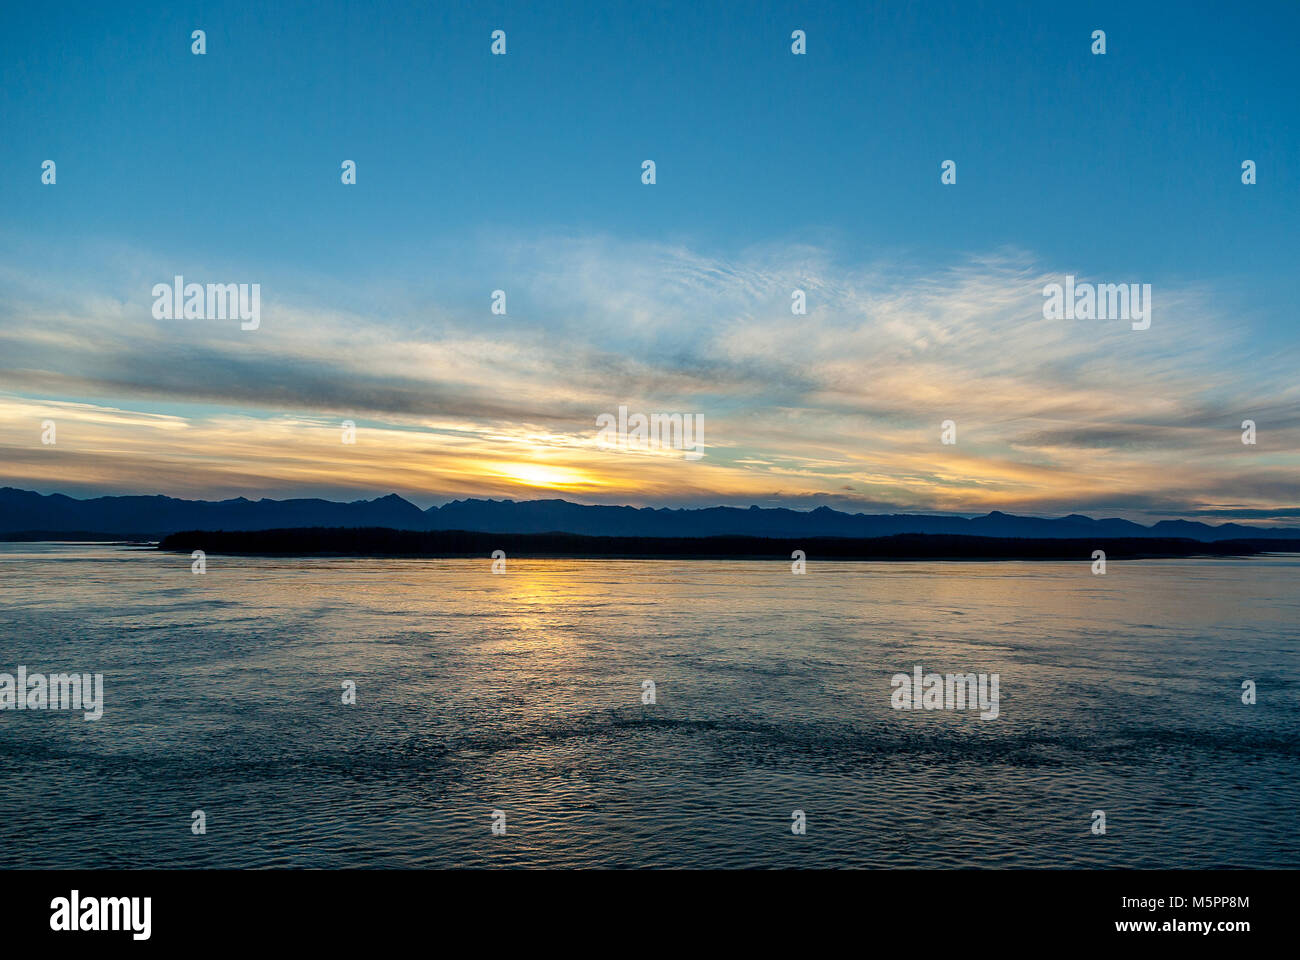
{"x": 522, "y": 693}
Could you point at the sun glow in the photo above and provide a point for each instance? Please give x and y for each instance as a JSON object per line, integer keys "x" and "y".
{"x": 535, "y": 475}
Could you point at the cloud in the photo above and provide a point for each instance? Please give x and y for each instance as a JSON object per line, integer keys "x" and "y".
{"x": 841, "y": 405}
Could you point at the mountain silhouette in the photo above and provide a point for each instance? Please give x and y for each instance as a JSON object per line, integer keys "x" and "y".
{"x": 28, "y": 515}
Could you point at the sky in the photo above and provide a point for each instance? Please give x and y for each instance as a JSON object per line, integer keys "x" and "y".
{"x": 774, "y": 172}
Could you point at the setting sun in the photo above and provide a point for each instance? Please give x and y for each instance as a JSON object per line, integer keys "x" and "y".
{"x": 534, "y": 475}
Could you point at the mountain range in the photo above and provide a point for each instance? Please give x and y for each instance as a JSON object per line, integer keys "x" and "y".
{"x": 28, "y": 515}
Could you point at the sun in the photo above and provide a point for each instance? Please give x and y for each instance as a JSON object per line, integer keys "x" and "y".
{"x": 536, "y": 475}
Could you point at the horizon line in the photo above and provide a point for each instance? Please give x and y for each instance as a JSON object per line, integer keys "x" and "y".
{"x": 1282, "y": 521}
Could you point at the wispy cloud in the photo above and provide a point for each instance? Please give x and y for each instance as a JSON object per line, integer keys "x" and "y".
{"x": 843, "y": 405}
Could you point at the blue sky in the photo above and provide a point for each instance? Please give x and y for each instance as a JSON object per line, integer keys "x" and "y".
{"x": 477, "y": 172}
{"x": 1098, "y": 159}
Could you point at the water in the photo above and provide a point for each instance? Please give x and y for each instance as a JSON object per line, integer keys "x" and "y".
{"x": 522, "y": 693}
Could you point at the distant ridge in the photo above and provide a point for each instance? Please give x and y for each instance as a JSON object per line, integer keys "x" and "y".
{"x": 25, "y": 515}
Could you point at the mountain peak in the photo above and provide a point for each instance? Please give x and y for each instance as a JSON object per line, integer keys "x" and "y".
{"x": 23, "y": 511}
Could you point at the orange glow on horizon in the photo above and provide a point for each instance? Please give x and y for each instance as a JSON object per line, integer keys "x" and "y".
{"x": 543, "y": 476}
